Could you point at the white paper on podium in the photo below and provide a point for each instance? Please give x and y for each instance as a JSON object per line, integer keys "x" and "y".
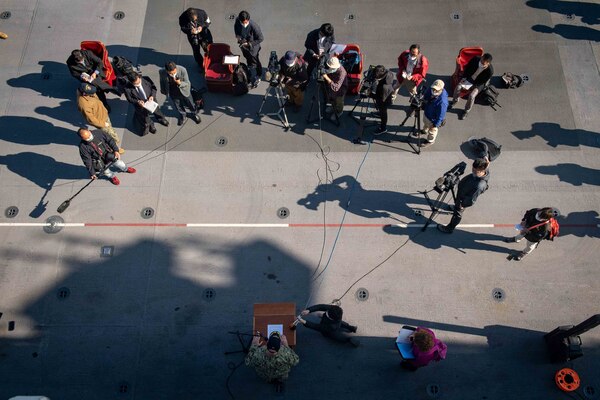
{"x": 150, "y": 105}
{"x": 337, "y": 48}
{"x": 274, "y": 328}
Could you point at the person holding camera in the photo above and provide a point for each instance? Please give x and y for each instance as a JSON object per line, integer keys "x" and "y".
{"x": 382, "y": 95}
{"x": 469, "y": 189}
{"x": 294, "y": 76}
{"x": 318, "y": 43}
{"x": 331, "y": 324}
{"x": 435, "y": 104}
{"x": 249, "y": 37}
{"x": 336, "y": 86}
{"x": 412, "y": 68}
{"x": 194, "y": 22}
{"x": 175, "y": 84}
{"x": 476, "y": 75}
{"x": 86, "y": 67}
{"x": 272, "y": 360}
{"x": 99, "y": 150}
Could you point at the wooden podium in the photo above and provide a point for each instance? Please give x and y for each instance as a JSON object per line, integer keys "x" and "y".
{"x": 275, "y": 313}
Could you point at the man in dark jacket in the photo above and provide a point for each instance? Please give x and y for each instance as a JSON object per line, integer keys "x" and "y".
{"x": 318, "y": 43}
{"x": 476, "y": 75}
{"x": 141, "y": 91}
{"x": 249, "y": 37}
{"x": 194, "y": 22}
{"x": 434, "y": 110}
{"x": 99, "y": 150}
{"x": 383, "y": 95}
{"x": 534, "y": 227}
{"x": 85, "y": 66}
{"x": 331, "y": 324}
{"x": 175, "y": 84}
{"x": 294, "y": 76}
{"x": 469, "y": 189}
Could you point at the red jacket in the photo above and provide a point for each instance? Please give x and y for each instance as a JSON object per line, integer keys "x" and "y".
{"x": 420, "y": 70}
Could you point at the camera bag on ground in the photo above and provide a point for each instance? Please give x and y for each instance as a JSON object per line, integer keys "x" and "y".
{"x": 490, "y": 96}
{"x": 486, "y": 148}
{"x": 512, "y": 81}
{"x": 123, "y": 67}
{"x": 197, "y": 96}
{"x": 240, "y": 79}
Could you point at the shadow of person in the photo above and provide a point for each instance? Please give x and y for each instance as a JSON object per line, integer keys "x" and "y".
{"x": 53, "y": 81}
{"x": 571, "y": 173}
{"x": 66, "y": 111}
{"x": 570, "y": 32}
{"x": 459, "y": 240}
{"x": 580, "y": 224}
{"x": 42, "y": 170}
{"x": 556, "y": 136}
{"x": 351, "y": 196}
{"x": 589, "y": 12}
{"x": 34, "y": 131}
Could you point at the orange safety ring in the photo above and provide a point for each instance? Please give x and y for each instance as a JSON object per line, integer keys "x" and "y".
{"x": 567, "y": 380}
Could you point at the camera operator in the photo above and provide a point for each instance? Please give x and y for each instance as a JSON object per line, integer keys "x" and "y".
{"x": 412, "y": 68}
{"x": 294, "y": 76}
{"x": 318, "y": 43}
{"x": 336, "y": 86}
{"x": 194, "y": 22}
{"x": 382, "y": 95}
{"x": 435, "y": 104}
{"x": 469, "y": 189}
{"x": 249, "y": 37}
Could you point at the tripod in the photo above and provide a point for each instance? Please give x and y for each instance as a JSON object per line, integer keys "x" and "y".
{"x": 316, "y": 97}
{"x": 364, "y": 109}
{"x": 281, "y": 98}
{"x": 435, "y": 204}
{"x": 415, "y": 111}
{"x": 245, "y": 347}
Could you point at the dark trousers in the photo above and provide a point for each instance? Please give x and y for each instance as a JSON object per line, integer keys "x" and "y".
{"x": 254, "y": 65}
{"x": 312, "y": 64}
{"x": 181, "y": 103}
{"x": 456, "y": 218}
{"x": 382, "y": 107}
{"x": 204, "y": 39}
{"x": 339, "y": 335}
{"x": 143, "y": 117}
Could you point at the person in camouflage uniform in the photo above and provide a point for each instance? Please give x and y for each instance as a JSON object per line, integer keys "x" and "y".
{"x": 272, "y": 360}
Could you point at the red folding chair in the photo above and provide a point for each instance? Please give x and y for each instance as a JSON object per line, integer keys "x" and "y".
{"x": 355, "y": 71}
{"x": 464, "y": 56}
{"x": 219, "y": 76}
{"x": 99, "y": 50}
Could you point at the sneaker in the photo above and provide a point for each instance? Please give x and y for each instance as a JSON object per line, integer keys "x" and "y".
{"x": 180, "y": 121}
{"x": 464, "y": 115}
{"x": 152, "y": 129}
{"x": 121, "y": 150}
{"x": 380, "y": 131}
{"x": 358, "y": 141}
{"x": 443, "y": 228}
{"x": 163, "y": 121}
{"x": 3, "y": 35}
{"x": 519, "y": 256}
{"x": 355, "y": 342}
{"x": 197, "y": 118}
{"x": 115, "y": 181}
{"x": 131, "y": 170}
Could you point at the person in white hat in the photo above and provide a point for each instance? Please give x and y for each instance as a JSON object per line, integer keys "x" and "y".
{"x": 336, "y": 87}
{"x": 435, "y": 104}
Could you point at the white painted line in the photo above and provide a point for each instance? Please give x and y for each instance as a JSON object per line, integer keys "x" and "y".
{"x": 66, "y": 224}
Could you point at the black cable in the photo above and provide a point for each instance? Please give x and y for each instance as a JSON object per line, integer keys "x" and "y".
{"x": 232, "y": 367}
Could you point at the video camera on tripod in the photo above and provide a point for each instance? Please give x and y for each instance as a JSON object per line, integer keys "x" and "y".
{"x": 417, "y": 99}
{"x": 368, "y": 85}
{"x": 322, "y": 68}
{"x": 450, "y": 179}
{"x": 273, "y": 69}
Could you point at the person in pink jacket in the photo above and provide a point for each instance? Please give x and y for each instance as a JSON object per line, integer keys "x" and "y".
{"x": 426, "y": 347}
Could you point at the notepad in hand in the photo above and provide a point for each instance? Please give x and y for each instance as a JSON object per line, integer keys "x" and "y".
{"x": 404, "y": 344}
{"x": 150, "y": 105}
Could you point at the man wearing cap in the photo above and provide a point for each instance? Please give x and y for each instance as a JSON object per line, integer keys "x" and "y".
{"x": 435, "y": 104}
{"x": 295, "y": 77}
{"x": 99, "y": 150}
{"x": 139, "y": 91}
{"x": 85, "y": 66}
{"x": 336, "y": 86}
{"x": 194, "y": 22}
{"x": 175, "y": 84}
{"x": 476, "y": 75}
{"x": 94, "y": 111}
{"x": 383, "y": 95}
{"x": 272, "y": 360}
{"x": 412, "y": 68}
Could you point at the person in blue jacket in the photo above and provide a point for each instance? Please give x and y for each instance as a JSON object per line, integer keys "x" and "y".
{"x": 434, "y": 110}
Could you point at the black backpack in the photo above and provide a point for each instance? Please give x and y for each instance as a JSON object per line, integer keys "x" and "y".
{"x": 490, "y": 96}
{"x": 240, "y": 79}
{"x": 123, "y": 67}
{"x": 486, "y": 148}
{"x": 512, "y": 81}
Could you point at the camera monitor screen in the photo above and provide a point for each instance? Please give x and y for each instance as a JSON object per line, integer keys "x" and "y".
{"x": 231, "y": 60}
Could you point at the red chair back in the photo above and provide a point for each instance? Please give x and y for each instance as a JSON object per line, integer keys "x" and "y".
{"x": 99, "y": 50}
{"x": 464, "y": 56}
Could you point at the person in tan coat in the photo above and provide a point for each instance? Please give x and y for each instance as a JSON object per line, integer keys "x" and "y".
{"x": 94, "y": 111}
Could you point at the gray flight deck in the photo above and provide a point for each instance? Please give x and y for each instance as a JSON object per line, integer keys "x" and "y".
{"x": 141, "y": 324}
